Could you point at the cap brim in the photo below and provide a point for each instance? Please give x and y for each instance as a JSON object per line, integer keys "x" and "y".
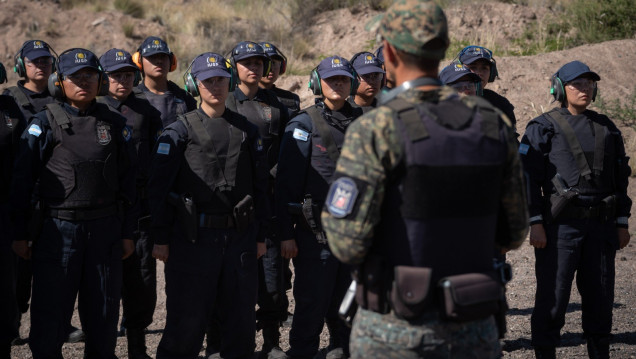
{"x": 154, "y": 52}
{"x": 593, "y": 74}
{"x": 247, "y": 56}
{"x": 456, "y": 76}
{"x": 119, "y": 67}
{"x": 35, "y": 54}
{"x": 369, "y": 70}
{"x": 335, "y": 72}
{"x": 204, "y": 75}
{"x": 74, "y": 69}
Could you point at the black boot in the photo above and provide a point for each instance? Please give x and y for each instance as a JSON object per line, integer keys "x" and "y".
{"x": 545, "y": 352}
{"x": 271, "y": 338}
{"x": 136, "y": 344}
{"x": 598, "y": 347}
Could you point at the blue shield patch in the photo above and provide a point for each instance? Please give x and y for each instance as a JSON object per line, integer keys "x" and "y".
{"x": 163, "y": 148}
{"x": 523, "y": 149}
{"x": 342, "y": 197}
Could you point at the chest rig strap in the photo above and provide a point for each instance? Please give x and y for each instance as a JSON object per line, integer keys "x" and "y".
{"x": 21, "y": 98}
{"x": 57, "y": 114}
{"x": 410, "y": 116}
{"x": 324, "y": 130}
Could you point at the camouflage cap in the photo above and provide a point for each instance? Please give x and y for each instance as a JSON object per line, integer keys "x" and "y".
{"x": 410, "y": 25}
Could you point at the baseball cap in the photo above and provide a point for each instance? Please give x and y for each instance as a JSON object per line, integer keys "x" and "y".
{"x": 271, "y": 50}
{"x": 34, "y": 49}
{"x": 246, "y": 49}
{"x": 76, "y": 59}
{"x": 412, "y": 25}
{"x": 154, "y": 45}
{"x": 209, "y": 65}
{"x": 366, "y": 63}
{"x": 116, "y": 59}
{"x": 334, "y": 66}
{"x": 470, "y": 54}
{"x": 575, "y": 69}
{"x": 456, "y": 71}
{"x": 380, "y": 54}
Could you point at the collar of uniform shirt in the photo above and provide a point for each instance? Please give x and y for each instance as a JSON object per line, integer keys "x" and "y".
{"x": 31, "y": 93}
{"x": 76, "y": 112}
{"x": 241, "y": 97}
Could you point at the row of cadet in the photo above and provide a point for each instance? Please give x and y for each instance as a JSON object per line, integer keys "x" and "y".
{"x": 225, "y": 194}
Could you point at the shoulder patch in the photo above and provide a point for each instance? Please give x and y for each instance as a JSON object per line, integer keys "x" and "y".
{"x": 35, "y": 130}
{"x": 301, "y": 134}
{"x": 523, "y": 148}
{"x": 163, "y": 148}
{"x": 341, "y": 197}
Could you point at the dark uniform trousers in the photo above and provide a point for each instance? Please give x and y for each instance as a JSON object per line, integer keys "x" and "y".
{"x": 272, "y": 285}
{"x": 218, "y": 270}
{"x": 587, "y": 247}
{"x": 72, "y": 256}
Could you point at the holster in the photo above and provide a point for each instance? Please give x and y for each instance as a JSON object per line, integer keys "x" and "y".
{"x": 558, "y": 202}
{"x": 243, "y": 213}
{"x": 411, "y": 292}
{"x": 308, "y": 214}
{"x": 186, "y": 213}
{"x": 372, "y": 289}
{"x": 471, "y": 296}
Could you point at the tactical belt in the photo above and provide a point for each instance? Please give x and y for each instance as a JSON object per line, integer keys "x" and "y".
{"x": 82, "y": 214}
{"x": 575, "y": 212}
{"x": 216, "y": 221}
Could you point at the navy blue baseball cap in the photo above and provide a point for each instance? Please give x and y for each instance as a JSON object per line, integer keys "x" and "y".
{"x": 380, "y": 54}
{"x": 34, "y": 49}
{"x": 117, "y": 59}
{"x": 76, "y": 59}
{"x": 154, "y": 45}
{"x": 575, "y": 69}
{"x": 366, "y": 63}
{"x": 470, "y": 54}
{"x": 334, "y": 66}
{"x": 246, "y": 49}
{"x": 456, "y": 71}
{"x": 271, "y": 50}
{"x": 209, "y": 65}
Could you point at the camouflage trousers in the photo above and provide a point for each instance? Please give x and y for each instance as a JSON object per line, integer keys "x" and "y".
{"x": 385, "y": 336}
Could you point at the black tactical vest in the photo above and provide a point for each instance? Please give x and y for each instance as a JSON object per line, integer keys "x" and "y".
{"x": 83, "y": 170}
{"x": 440, "y": 210}
{"x": 219, "y": 170}
{"x": 10, "y": 117}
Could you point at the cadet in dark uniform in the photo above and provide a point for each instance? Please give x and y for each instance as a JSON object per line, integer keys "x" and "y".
{"x": 426, "y": 186}
{"x": 480, "y": 61}
{"x": 279, "y": 67}
{"x": 387, "y": 83}
{"x": 460, "y": 78}
{"x": 577, "y": 173}
{"x": 309, "y": 150}
{"x": 155, "y": 61}
{"x": 12, "y": 123}
{"x": 263, "y": 109}
{"x": 370, "y": 74}
{"x": 143, "y": 126}
{"x": 207, "y": 195}
{"x": 77, "y": 154}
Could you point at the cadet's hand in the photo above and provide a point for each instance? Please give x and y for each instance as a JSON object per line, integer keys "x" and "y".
{"x": 161, "y": 251}
{"x": 261, "y": 248}
{"x": 537, "y": 236}
{"x": 22, "y": 249}
{"x": 623, "y": 237}
{"x": 288, "y": 249}
{"x": 129, "y": 248}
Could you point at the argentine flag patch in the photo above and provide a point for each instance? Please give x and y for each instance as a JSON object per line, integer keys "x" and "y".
{"x": 301, "y": 135}
{"x": 163, "y": 148}
{"x": 35, "y": 130}
{"x": 523, "y": 149}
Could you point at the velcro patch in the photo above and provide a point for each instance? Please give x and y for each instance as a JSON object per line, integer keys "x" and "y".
{"x": 35, "y": 130}
{"x": 301, "y": 135}
{"x": 341, "y": 197}
{"x": 523, "y": 149}
{"x": 163, "y": 148}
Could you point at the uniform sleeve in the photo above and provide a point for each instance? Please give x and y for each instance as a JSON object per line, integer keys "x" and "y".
{"x": 513, "y": 216}
{"x": 623, "y": 202}
{"x": 261, "y": 181}
{"x": 372, "y": 150}
{"x": 36, "y": 145}
{"x": 533, "y": 150}
{"x": 293, "y": 164}
{"x": 165, "y": 165}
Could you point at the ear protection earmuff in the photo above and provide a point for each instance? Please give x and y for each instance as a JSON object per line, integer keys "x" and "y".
{"x": 56, "y": 83}
{"x": 3, "y": 74}
{"x": 190, "y": 83}
{"x": 493, "y": 64}
{"x": 557, "y": 89}
{"x": 356, "y": 74}
{"x": 137, "y": 60}
{"x": 316, "y": 88}
{"x": 18, "y": 60}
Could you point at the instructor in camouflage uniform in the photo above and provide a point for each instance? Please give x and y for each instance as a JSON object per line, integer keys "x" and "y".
{"x": 426, "y": 187}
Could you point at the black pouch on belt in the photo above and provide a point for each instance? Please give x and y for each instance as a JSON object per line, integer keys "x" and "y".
{"x": 471, "y": 296}
{"x": 244, "y": 213}
{"x": 410, "y": 295}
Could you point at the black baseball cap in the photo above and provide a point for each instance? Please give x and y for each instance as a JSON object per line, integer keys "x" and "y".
{"x": 117, "y": 59}
{"x": 76, "y": 59}
{"x": 575, "y": 69}
{"x": 456, "y": 71}
{"x": 334, "y": 66}
{"x": 470, "y": 54}
{"x": 34, "y": 49}
{"x": 209, "y": 65}
{"x": 154, "y": 45}
{"x": 367, "y": 63}
{"x": 247, "y": 49}
{"x": 271, "y": 50}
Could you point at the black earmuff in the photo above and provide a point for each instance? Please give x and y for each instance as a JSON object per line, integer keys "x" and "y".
{"x": 3, "y": 74}
{"x": 556, "y": 89}
{"x": 355, "y": 83}
{"x": 20, "y": 69}
{"x": 137, "y": 79}
{"x": 494, "y": 73}
{"x": 314, "y": 82}
{"x": 283, "y": 64}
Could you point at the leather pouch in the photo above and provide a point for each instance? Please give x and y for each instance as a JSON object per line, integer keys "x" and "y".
{"x": 471, "y": 296}
{"x": 411, "y": 292}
